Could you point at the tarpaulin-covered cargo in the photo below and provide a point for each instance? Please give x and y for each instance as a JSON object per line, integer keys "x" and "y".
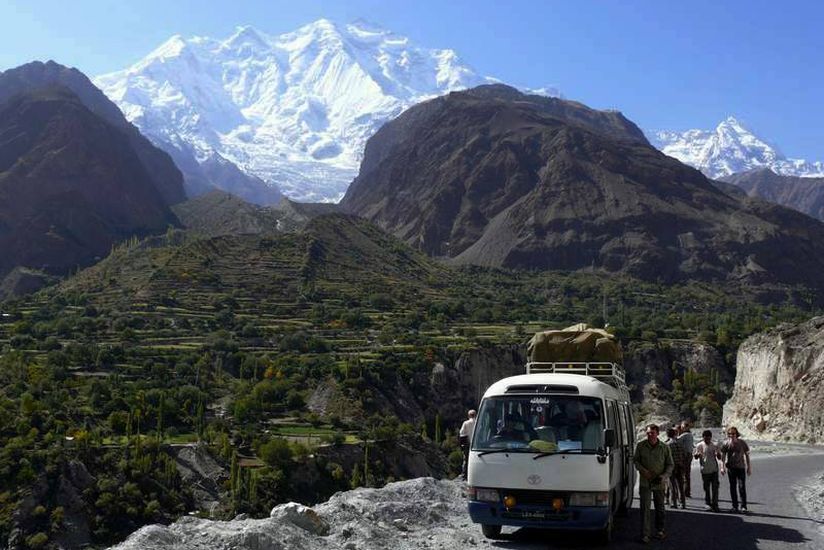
{"x": 577, "y": 343}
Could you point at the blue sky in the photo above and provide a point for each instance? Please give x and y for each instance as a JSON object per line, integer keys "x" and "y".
{"x": 664, "y": 64}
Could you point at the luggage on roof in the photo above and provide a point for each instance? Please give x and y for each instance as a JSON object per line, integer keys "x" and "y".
{"x": 577, "y": 343}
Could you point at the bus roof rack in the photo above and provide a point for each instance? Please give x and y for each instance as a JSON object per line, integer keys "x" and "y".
{"x": 611, "y": 373}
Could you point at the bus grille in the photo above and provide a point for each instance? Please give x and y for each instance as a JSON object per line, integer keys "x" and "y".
{"x": 536, "y": 498}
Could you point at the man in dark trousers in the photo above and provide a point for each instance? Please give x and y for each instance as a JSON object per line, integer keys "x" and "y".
{"x": 708, "y": 455}
{"x": 688, "y": 442}
{"x": 654, "y": 462}
{"x": 736, "y": 457}
{"x": 679, "y": 458}
{"x": 465, "y": 439}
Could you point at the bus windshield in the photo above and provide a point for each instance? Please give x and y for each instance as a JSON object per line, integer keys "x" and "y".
{"x": 540, "y": 424}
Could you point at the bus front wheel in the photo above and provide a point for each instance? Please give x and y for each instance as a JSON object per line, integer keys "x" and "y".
{"x": 491, "y": 531}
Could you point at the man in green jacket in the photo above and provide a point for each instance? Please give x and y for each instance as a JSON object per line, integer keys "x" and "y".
{"x": 654, "y": 462}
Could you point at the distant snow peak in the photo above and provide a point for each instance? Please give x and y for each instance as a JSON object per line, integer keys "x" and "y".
{"x": 732, "y": 147}
{"x": 294, "y": 110}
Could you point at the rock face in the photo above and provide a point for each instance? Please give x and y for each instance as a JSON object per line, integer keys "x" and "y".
{"x": 494, "y": 177}
{"x": 803, "y": 194}
{"x": 451, "y": 388}
{"x": 205, "y": 475}
{"x": 457, "y": 385}
{"x": 652, "y": 368}
{"x": 66, "y": 489}
{"x": 779, "y": 384}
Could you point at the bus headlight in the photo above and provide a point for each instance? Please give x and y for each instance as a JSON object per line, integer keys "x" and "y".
{"x": 589, "y": 499}
{"x": 486, "y": 495}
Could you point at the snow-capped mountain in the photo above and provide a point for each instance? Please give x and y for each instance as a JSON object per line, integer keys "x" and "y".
{"x": 729, "y": 149}
{"x": 294, "y": 110}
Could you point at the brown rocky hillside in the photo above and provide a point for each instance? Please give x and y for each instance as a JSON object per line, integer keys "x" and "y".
{"x": 803, "y": 194}
{"x": 71, "y": 184}
{"x": 493, "y": 177}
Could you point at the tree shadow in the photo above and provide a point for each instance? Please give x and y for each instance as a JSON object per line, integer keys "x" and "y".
{"x": 686, "y": 530}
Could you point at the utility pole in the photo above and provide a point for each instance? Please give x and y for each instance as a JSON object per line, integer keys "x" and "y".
{"x": 604, "y": 306}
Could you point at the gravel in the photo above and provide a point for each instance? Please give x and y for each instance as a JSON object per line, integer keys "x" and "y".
{"x": 419, "y": 513}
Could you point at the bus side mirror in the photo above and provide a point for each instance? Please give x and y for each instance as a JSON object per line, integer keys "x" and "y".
{"x": 609, "y": 437}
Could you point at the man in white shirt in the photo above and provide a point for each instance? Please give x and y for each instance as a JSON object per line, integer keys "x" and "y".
{"x": 708, "y": 454}
{"x": 465, "y": 438}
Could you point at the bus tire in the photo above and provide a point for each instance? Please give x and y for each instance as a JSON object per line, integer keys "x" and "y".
{"x": 491, "y": 531}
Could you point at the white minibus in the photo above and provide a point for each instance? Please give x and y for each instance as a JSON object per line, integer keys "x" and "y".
{"x": 553, "y": 449}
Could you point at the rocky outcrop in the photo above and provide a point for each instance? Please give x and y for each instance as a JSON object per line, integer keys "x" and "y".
{"x": 779, "y": 384}
{"x": 652, "y": 369}
{"x": 64, "y": 492}
{"x": 471, "y": 374}
{"x": 458, "y": 383}
{"x": 450, "y": 388}
{"x": 419, "y": 513}
{"x": 201, "y": 472}
{"x": 22, "y": 281}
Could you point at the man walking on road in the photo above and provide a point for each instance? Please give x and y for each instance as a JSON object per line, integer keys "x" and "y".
{"x": 708, "y": 454}
{"x": 654, "y": 462}
{"x": 679, "y": 459}
{"x": 465, "y": 439}
{"x": 736, "y": 455}
{"x": 688, "y": 442}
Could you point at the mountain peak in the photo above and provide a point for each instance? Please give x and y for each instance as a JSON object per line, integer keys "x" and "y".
{"x": 730, "y": 121}
{"x": 294, "y": 110}
{"x": 247, "y": 37}
{"x": 731, "y": 148}
{"x": 247, "y": 33}
{"x": 321, "y": 27}
{"x": 172, "y": 47}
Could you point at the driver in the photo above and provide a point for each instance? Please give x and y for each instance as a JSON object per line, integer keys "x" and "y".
{"x": 571, "y": 421}
{"x": 515, "y": 428}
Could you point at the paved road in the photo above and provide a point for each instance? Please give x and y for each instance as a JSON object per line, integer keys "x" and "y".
{"x": 776, "y": 521}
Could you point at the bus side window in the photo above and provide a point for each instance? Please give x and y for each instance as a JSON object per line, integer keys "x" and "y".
{"x": 621, "y": 430}
{"x": 613, "y": 417}
{"x": 630, "y": 425}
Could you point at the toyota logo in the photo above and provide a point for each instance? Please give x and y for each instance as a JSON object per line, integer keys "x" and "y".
{"x": 534, "y": 479}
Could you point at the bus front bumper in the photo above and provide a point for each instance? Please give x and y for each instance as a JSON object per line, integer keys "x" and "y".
{"x": 585, "y": 518}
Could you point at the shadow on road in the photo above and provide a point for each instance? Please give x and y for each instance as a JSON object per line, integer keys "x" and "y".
{"x": 686, "y": 530}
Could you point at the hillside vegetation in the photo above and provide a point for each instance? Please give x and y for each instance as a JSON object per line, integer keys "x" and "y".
{"x": 224, "y": 340}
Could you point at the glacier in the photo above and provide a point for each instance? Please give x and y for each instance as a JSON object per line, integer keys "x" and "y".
{"x": 293, "y": 110}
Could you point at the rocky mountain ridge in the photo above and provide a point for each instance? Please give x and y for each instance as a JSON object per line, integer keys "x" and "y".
{"x": 494, "y": 177}
{"x": 72, "y": 184}
{"x": 37, "y": 75}
{"x": 728, "y": 149}
{"x": 803, "y": 194}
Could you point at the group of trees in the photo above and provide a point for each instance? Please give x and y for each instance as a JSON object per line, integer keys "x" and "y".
{"x": 111, "y": 382}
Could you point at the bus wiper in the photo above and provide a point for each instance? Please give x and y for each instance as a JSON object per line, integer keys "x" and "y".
{"x": 503, "y": 450}
{"x": 565, "y": 451}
